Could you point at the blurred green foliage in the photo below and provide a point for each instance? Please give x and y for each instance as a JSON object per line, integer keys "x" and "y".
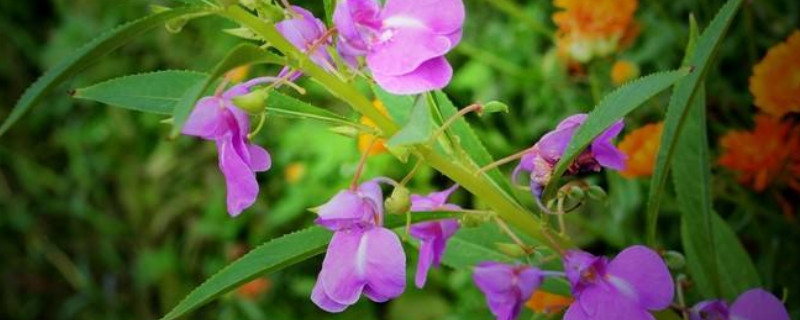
{"x": 103, "y": 217}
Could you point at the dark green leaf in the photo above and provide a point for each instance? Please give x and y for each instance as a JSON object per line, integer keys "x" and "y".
{"x": 272, "y": 256}
{"x": 241, "y": 55}
{"x": 686, "y": 90}
{"x": 155, "y": 92}
{"x": 87, "y": 54}
{"x": 418, "y": 129}
{"x": 611, "y": 109}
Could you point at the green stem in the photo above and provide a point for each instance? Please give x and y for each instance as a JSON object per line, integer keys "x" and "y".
{"x": 508, "y": 209}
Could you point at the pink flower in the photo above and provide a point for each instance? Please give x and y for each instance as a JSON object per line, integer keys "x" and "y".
{"x": 363, "y": 257}
{"x": 506, "y": 287}
{"x": 754, "y": 304}
{"x": 404, "y": 42}
{"x": 546, "y": 153}
{"x": 628, "y": 287}
{"x": 433, "y": 235}
{"x": 216, "y": 118}
{"x": 306, "y": 33}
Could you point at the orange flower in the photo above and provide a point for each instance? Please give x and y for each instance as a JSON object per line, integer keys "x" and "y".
{"x": 624, "y": 71}
{"x": 641, "y": 147}
{"x": 768, "y": 154}
{"x": 294, "y": 172}
{"x": 548, "y": 303}
{"x": 238, "y": 74}
{"x": 775, "y": 82}
{"x": 365, "y": 139}
{"x": 590, "y": 28}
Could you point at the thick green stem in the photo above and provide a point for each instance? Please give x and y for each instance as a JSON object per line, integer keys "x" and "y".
{"x": 508, "y": 209}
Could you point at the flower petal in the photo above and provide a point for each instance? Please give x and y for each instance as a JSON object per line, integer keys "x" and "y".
{"x": 349, "y": 17}
{"x": 385, "y": 264}
{"x": 494, "y": 279}
{"x": 405, "y": 50}
{"x": 321, "y": 299}
{"x": 345, "y": 210}
{"x": 434, "y": 74}
{"x": 259, "y": 158}
{"x": 342, "y": 277}
{"x": 605, "y": 152}
{"x": 639, "y": 273}
{"x": 426, "y": 256}
{"x": 240, "y": 180}
{"x": 758, "y": 304}
{"x": 553, "y": 144}
{"x": 206, "y": 120}
{"x": 608, "y": 306}
{"x": 440, "y": 16}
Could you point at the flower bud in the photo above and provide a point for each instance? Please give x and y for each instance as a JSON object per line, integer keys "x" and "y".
{"x": 674, "y": 260}
{"x": 254, "y": 102}
{"x": 511, "y": 249}
{"x": 596, "y": 193}
{"x": 576, "y": 193}
{"x": 492, "y": 107}
{"x": 399, "y": 202}
{"x": 473, "y": 220}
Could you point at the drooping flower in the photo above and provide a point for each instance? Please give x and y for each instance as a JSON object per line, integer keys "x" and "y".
{"x": 363, "y": 256}
{"x": 775, "y": 82}
{"x": 506, "y": 287}
{"x": 641, "y": 148}
{"x": 404, "y": 42}
{"x": 217, "y": 118}
{"x": 593, "y": 28}
{"x": 365, "y": 139}
{"x": 628, "y": 287}
{"x": 544, "y": 302}
{"x": 754, "y": 304}
{"x": 770, "y": 154}
{"x": 546, "y": 153}
{"x": 433, "y": 235}
{"x": 623, "y": 71}
{"x": 307, "y": 33}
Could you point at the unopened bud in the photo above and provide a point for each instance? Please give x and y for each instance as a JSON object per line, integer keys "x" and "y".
{"x": 596, "y": 193}
{"x": 254, "y": 102}
{"x": 473, "y": 220}
{"x": 511, "y": 249}
{"x": 576, "y": 193}
{"x": 346, "y": 131}
{"x": 674, "y": 260}
{"x": 399, "y": 202}
{"x": 492, "y": 107}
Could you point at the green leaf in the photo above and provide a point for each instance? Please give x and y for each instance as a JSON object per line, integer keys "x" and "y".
{"x": 611, "y": 109}
{"x": 399, "y": 107}
{"x": 716, "y": 260}
{"x": 86, "y": 55}
{"x": 686, "y": 90}
{"x": 471, "y": 144}
{"x": 736, "y": 271}
{"x": 241, "y": 55}
{"x": 155, "y": 92}
{"x": 417, "y": 130}
{"x": 275, "y": 255}
{"x": 284, "y": 105}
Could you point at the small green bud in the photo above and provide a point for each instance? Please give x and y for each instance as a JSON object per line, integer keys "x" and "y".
{"x": 674, "y": 260}
{"x": 346, "y": 131}
{"x": 473, "y": 220}
{"x": 254, "y": 102}
{"x": 596, "y": 193}
{"x": 511, "y": 249}
{"x": 576, "y": 193}
{"x": 399, "y": 202}
{"x": 492, "y": 107}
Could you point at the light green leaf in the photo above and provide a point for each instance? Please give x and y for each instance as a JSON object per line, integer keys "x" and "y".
{"x": 87, "y": 54}
{"x": 418, "y": 129}
{"x": 284, "y": 105}
{"x": 399, "y": 107}
{"x": 241, "y": 55}
{"x": 611, "y": 109}
{"x": 686, "y": 90}
{"x": 155, "y": 92}
{"x": 272, "y": 256}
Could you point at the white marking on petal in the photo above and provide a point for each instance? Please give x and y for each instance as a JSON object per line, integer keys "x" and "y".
{"x": 361, "y": 257}
{"x": 402, "y": 22}
{"x": 623, "y": 287}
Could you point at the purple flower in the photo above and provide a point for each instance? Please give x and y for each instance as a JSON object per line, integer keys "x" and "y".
{"x": 506, "y": 287}
{"x": 404, "y": 42}
{"x": 216, "y": 118}
{"x": 628, "y": 287}
{"x": 363, "y": 257}
{"x": 546, "y": 153}
{"x": 433, "y": 235}
{"x": 306, "y": 32}
{"x": 754, "y": 304}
